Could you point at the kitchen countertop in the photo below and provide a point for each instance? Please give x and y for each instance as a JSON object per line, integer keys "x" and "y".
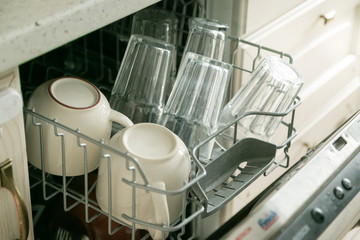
{"x": 29, "y": 28}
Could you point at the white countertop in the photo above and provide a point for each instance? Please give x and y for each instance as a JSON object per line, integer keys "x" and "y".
{"x": 29, "y": 28}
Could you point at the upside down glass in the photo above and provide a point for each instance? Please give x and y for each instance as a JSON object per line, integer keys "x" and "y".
{"x": 196, "y": 100}
{"x": 143, "y": 82}
{"x": 207, "y": 38}
{"x": 160, "y": 24}
{"x": 156, "y": 23}
{"x": 272, "y": 87}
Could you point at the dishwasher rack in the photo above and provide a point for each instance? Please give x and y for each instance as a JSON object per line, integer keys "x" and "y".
{"x": 91, "y": 59}
{"x": 52, "y": 187}
{"x": 199, "y": 200}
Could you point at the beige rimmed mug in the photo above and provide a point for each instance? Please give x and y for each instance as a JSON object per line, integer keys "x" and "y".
{"x": 164, "y": 160}
{"x": 79, "y": 105}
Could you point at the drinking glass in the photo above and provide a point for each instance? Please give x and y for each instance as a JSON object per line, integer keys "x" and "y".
{"x": 156, "y": 23}
{"x": 160, "y": 24}
{"x": 272, "y": 87}
{"x": 207, "y": 38}
{"x": 143, "y": 82}
{"x": 195, "y": 102}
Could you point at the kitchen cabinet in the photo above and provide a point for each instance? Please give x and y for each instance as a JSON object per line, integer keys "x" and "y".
{"x": 326, "y": 54}
{"x": 323, "y": 39}
{"x": 13, "y": 147}
{"x": 258, "y": 13}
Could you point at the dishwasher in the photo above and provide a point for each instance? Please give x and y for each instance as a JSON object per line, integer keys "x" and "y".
{"x": 220, "y": 207}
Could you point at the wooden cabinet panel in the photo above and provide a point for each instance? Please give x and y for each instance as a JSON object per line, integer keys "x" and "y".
{"x": 308, "y": 137}
{"x": 327, "y": 55}
{"x": 300, "y": 26}
{"x": 12, "y": 145}
{"x": 324, "y": 54}
{"x": 325, "y": 88}
{"x": 334, "y": 113}
{"x": 258, "y": 13}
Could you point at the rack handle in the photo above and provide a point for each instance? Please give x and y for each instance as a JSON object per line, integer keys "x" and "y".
{"x": 7, "y": 181}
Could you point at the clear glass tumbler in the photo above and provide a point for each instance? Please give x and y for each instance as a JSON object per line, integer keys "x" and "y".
{"x": 272, "y": 87}
{"x": 207, "y": 38}
{"x": 143, "y": 83}
{"x": 196, "y": 100}
{"x": 156, "y": 23}
{"x": 160, "y": 24}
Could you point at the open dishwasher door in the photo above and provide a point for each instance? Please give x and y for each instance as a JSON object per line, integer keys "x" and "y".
{"x": 317, "y": 199}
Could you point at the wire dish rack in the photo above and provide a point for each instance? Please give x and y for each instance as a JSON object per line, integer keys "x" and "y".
{"x": 52, "y": 185}
{"x": 210, "y": 187}
{"x": 230, "y": 172}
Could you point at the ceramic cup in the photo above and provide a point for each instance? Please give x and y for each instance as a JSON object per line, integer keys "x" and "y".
{"x": 77, "y": 104}
{"x": 165, "y": 161}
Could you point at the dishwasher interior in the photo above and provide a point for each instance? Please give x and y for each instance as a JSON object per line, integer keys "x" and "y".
{"x": 70, "y": 202}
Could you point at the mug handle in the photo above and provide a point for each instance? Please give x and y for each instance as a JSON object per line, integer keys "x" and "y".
{"x": 161, "y": 210}
{"x": 120, "y": 118}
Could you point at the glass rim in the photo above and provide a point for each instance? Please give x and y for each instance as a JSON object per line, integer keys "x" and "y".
{"x": 270, "y": 60}
{"x": 155, "y": 42}
{"x": 212, "y": 61}
{"x": 209, "y": 24}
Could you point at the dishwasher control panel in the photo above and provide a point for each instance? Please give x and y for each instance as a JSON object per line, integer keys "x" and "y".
{"x": 327, "y": 205}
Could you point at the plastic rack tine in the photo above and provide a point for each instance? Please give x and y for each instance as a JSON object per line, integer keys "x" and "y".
{"x": 109, "y": 213}
{"x": 86, "y": 179}
{"x": 183, "y": 215}
{"x": 61, "y": 135}
{"x": 63, "y": 158}
{"x": 108, "y": 159}
{"x": 133, "y": 196}
{"x": 86, "y": 183}
{"x": 41, "y": 139}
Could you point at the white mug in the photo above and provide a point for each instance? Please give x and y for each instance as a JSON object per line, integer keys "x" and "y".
{"x": 77, "y": 104}
{"x": 165, "y": 161}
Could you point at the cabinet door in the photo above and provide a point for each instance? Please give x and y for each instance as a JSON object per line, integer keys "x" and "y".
{"x": 314, "y": 44}
{"x": 13, "y": 147}
{"x": 259, "y": 13}
{"x": 325, "y": 54}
